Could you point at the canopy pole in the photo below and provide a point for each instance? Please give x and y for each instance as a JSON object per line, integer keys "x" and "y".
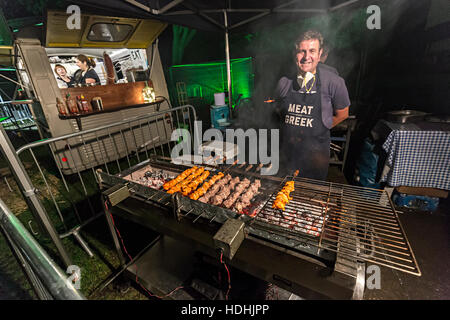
{"x": 227, "y": 58}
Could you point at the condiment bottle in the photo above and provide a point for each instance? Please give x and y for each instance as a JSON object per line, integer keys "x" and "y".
{"x": 85, "y": 104}
{"x": 72, "y": 104}
{"x": 62, "y": 110}
{"x": 80, "y": 106}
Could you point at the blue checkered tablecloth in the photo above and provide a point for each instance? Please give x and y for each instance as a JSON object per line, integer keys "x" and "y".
{"x": 418, "y": 159}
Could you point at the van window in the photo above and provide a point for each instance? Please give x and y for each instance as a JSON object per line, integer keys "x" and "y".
{"x": 109, "y": 32}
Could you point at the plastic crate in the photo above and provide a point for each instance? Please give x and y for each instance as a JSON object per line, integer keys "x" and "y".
{"x": 415, "y": 202}
{"x": 220, "y": 116}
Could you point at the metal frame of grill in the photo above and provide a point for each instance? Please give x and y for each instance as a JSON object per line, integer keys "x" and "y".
{"x": 355, "y": 224}
{"x": 360, "y": 224}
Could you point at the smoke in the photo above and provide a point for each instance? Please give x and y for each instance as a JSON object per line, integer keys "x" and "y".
{"x": 271, "y": 42}
{"x": 271, "y": 45}
{"x": 362, "y": 56}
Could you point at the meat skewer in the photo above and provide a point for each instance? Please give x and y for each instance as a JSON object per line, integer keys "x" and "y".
{"x": 243, "y": 164}
{"x": 237, "y": 192}
{"x": 283, "y": 196}
{"x": 186, "y": 181}
{"x": 224, "y": 192}
{"x": 245, "y": 199}
{"x": 204, "y": 188}
{"x": 195, "y": 183}
{"x": 215, "y": 189}
{"x": 232, "y": 165}
{"x": 179, "y": 178}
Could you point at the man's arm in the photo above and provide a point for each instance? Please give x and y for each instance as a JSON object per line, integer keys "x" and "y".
{"x": 340, "y": 101}
{"x": 341, "y": 115}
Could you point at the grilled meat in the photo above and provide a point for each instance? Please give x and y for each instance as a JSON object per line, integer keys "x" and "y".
{"x": 283, "y": 196}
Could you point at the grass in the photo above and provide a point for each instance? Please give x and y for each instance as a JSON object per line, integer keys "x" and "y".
{"x": 93, "y": 270}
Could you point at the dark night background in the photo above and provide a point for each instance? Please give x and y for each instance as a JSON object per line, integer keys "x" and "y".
{"x": 405, "y": 65}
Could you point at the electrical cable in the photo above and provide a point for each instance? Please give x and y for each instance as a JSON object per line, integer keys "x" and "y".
{"x": 228, "y": 272}
{"x": 131, "y": 259}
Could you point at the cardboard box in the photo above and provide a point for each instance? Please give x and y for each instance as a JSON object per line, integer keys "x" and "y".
{"x": 429, "y": 192}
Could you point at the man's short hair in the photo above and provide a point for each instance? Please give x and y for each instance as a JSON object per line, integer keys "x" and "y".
{"x": 309, "y": 35}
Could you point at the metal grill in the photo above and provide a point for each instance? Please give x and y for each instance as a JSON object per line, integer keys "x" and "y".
{"x": 336, "y": 223}
{"x": 358, "y": 223}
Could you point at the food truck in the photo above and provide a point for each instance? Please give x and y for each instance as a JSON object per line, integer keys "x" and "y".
{"x": 132, "y": 84}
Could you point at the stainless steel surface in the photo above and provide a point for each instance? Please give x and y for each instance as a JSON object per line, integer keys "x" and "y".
{"x": 404, "y": 116}
{"x": 322, "y": 219}
{"x": 46, "y": 270}
{"x": 438, "y": 118}
{"x": 359, "y": 223}
{"x": 356, "y": 226}
{"x": 289, "y": 269}
{"x": 229, "y": 237}
{"x": 199, "y": 213}
{"x": 167, "y": 265}
{"x": 360, "y": 283}
{"x": 117, "y": 194}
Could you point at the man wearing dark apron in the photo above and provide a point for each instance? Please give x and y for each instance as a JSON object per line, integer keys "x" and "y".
{"x": 309, "y": 106}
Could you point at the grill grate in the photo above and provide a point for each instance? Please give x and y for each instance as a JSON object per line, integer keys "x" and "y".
{"x": 360, "y": 224}
{"x": 325, "y": 219}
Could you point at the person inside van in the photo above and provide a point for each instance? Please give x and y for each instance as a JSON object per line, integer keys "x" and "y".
{"x": 62, "y": 78}
{"x": 86, "y": 74}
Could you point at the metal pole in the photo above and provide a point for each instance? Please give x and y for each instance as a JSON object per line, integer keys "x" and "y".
{"x": 29, "y": 193}
{"x": 47, "y": 271}
{"x": 227, "y": 58}
{"x": 37, "y": 285}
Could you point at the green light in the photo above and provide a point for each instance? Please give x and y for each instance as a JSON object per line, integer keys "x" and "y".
{"x": 204, "y": 79}
{"x": 7, "y": 69}
{"x": 3, "y": 119}
{"x": 15, "y": 30}
{"x": 39, "y": 24}
{"x": 210, "y": 64}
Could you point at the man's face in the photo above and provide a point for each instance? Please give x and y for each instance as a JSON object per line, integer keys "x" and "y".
{"x": 308, "y": 55}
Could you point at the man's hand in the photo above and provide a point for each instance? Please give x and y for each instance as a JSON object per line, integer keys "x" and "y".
{"x": 340, "y": 116}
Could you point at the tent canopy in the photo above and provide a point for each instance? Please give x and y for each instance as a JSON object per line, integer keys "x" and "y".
{"x": 208, "y": 15}
{"x": 223, "y": 16}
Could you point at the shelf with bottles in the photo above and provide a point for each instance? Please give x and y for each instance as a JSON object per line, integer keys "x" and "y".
{"x": 76, "y": 114}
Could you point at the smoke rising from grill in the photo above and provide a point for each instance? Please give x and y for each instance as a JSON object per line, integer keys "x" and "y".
{"x": 271, "y": 43}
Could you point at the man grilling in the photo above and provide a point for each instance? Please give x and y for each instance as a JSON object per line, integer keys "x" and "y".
{"x": 310, "y": 104}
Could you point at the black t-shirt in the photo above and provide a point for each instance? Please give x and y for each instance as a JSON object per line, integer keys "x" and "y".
{"x": 334, "y": 94}
{"x": 69, "y": 84}
{"x": 90, "y": 73}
